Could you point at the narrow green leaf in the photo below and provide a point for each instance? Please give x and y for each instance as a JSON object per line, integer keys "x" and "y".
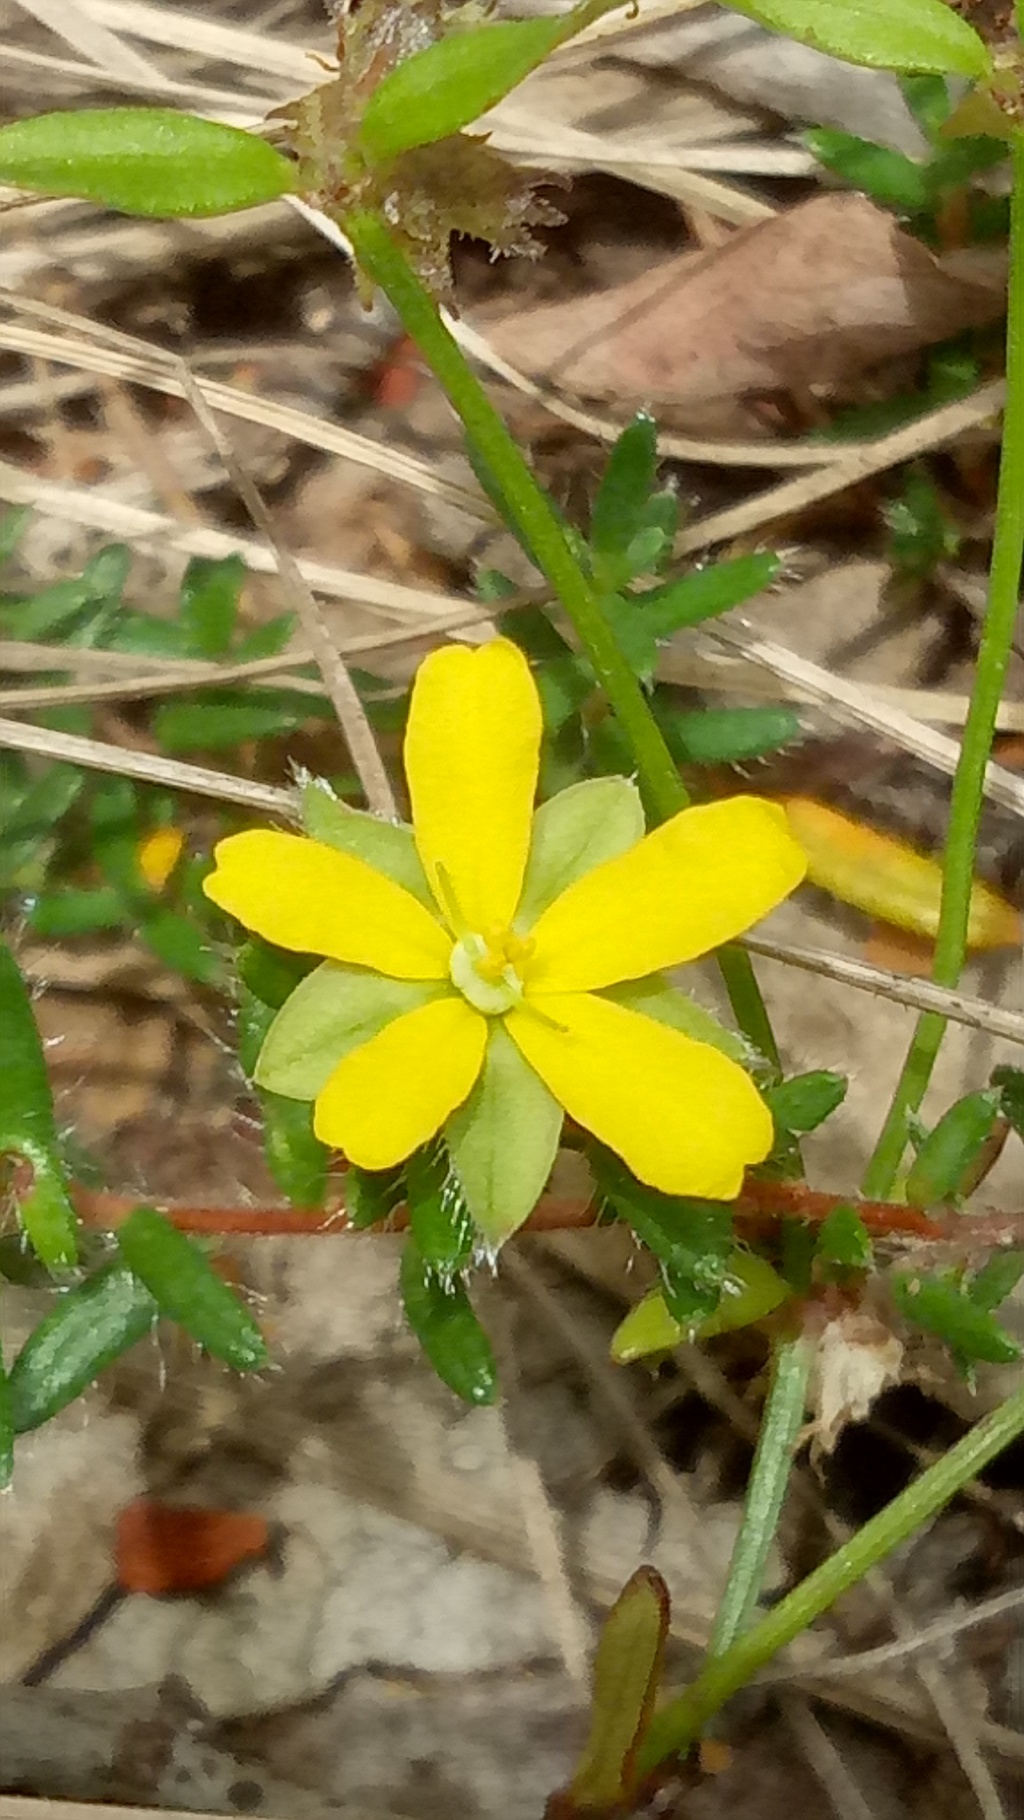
{"x": 208, "y": 605}
{"x": 267, "y": 640}
{"x": 572, "y": 833}
{"x": 504, "y": 1140}
{"x": 63, "y": 914}
{"x": 888, "y": 177}
{"x": 750, "y": 1291}
{"x": 295, "y": 1156}
{"x": 184, "y": 1285}
{"x": 439, "y": 1218}
{"x": 12, "y": 526}
{"x": 921, "y": 36}
{"x": 182, "y": 946}
{"x": 843, "y": 1241}
{"x": 452, "y": 82}
{"x": 90, "y": 1327}
{"x": 945, "y": 1157}
{"x": 27, "y": 1125}
{"x": 388, "y": 847}
{"x": 806, "y": 1101}
{"x": 996, "y": 1280}
{"x": 927, "y": 97}
{"x": 692, "y": 1239}
{"x": 371, "y": 1195}
{"x": 705, "y": 593}
{"x": 940, "y": 1307}
{"x": 220, "y": 718}
{"x": 626, "y": 487}
{"x": 627, "y": 1677}
{"x": 6, "y": 1428}
{"x": 334, "y": 1010}
{"x": 441, "y": 1316}
{"x": 727, "y": 736}
{"x": 271, "y": 975}
{"x": 144, "y": 161}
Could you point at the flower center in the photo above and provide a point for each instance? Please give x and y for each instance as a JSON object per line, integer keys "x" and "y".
{"x": 488, "y": 969}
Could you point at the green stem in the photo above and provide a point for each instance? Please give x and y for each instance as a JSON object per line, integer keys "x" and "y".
{"x": 769, "y": 1475}
{"x": 681, "y": 1721}
{"x": 383, "y": 261}
{"x": 989, "y": 681}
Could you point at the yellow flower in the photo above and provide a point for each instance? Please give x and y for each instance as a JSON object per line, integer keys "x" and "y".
{"x": 492, "y": 967}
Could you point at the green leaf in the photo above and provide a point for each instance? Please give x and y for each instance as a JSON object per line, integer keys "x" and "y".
{"x": 843, "y": 1241}
{"x": 144, "y": 161}
{"x": 271, "y": 975}
{"x": 940, "y": 1307}
{"x": 927, "y": 97}
{"x": 921, "y": 36}
{"x": 27, "y": 1125}
{"x": 627, "y": 1676}
{"x": 1010, "y": 1083}
{"x": 996, "y": 1280}
{"x": 806, "y": 1101}
{"x": 947, "y": 1153}
{"x": 439, "y": 90}
{"x": 504, "y": 1139}
{"x": 31, "y": 826}
{"x": 888, "y": 177}
{"x": 371, "y": 1195}
{"x": 58, "y": 610}
{"x": 388, "y": 847}
{"x": 727, "y": 736}
{"x": 208, "y": 606}
{"x": 334, "y": 1010}
{"x": 185, "y": 1286}
{"x": 439, "y": 1218}
{"x": 626, "y": 486}
{"x": 656, "y": 997}
{"x": 921, "y": 533}
{"x": 90, "y": 1327}
{"x": 441, "y": 1316}
{"x": 267, "y": 640}
{"x": 572, "y": 833}
{"x": 750, "y": 1290}
{"x": 705, "y": 593}
{"x": 6, "y": 1428}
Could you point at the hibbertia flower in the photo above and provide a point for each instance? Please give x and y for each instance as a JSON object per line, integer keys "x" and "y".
{"x": 497, "y": 965}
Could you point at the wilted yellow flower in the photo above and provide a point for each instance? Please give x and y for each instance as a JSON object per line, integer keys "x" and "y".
{"x": 491, "y": 967}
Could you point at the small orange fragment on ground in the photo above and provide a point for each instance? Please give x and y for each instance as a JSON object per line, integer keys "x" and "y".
{"x": 165, "y": 1548}
{"x": 889, "y": 879}
{"x": 714, "y": 1756}
{"x": 157, "y": 855}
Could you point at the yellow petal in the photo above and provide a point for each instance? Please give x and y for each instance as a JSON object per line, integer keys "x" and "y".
{"x": 693, "y": 883}
{"x": 395, "y": 1092}
{"x": 313, "y": 899}
{"x": 681, "y": 1115}
{"x": 471, "y": 755}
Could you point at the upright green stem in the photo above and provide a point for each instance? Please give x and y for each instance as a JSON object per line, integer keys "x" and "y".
{"x": 990, "y": 677}
{"x": 663, "y": 788}
{"x": 681, "y": 1721}
{"x": 781, "y": 1422}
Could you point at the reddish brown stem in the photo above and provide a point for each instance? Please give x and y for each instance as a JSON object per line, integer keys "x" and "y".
{"x": 761, "y": 1205}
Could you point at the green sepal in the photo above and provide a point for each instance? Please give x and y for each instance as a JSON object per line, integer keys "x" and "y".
{"x": 504, "y": 1139}
{"x": 91, "y": 1326}
{"x": 573, "y": 832}
{"x": 295, "y": 1156}
{"x": 441, "y": 1316}
{"x": 185, "y": 1286}
{"x": 656, "y": 997}
{"x": 144, "y": 161}
{"x": 388, "y": 847}
{"x": 334, "y": 1010}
